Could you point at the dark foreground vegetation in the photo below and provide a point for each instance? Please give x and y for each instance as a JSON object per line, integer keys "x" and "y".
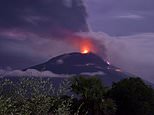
{"x": 76, "y": 96}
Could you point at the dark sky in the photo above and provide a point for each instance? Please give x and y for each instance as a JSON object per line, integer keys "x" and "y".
{"x": 28, "y": 31}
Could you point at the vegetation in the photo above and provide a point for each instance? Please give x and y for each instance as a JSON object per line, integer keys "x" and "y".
{"x": 77, "y": 96}
{"x": 91, "y": 94}
{"x": 133, "y": 97}
{"x": 33, "y": 96}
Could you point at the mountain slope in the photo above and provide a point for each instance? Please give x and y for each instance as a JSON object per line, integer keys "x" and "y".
{"x": 82, "y": 64}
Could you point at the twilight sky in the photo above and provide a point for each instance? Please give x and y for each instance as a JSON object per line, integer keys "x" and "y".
{"x": 121, "y": 17}
{"x": 124, "y": 27}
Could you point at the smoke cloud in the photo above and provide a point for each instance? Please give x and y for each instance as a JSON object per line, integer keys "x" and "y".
{"x": 133, "y": 54}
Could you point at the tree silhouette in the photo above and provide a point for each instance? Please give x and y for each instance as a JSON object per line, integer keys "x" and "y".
{"x": 133, "y": 97}
{"x": 92, "y": 95}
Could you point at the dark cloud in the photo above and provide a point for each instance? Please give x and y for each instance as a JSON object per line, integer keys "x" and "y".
{"x": 44, "y": 17}
{"x": 32, "y": 30}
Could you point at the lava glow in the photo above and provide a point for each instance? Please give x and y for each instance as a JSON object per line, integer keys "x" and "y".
{"x": 85, "y": 50}
{"x": 86, "y": 46}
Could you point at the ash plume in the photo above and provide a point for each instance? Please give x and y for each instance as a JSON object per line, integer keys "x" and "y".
{"x": 132, "y": 53}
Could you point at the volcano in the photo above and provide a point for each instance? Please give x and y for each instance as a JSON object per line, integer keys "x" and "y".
{"x": 88, "y": 64}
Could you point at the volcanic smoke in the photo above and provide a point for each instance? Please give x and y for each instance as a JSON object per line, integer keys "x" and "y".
{"x": 85, "y": 45}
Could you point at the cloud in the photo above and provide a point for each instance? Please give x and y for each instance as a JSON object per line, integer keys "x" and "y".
{"x": 35, "y": 73}
{"x": 30, "y": 73}
{"x": 20, "y": 54}
{"x": 32, "y": 31}
{"x": 132, "y": 54}
{"x": 93, "y": 73}
{"x": 130, "y": 16}
{"x": 41, "y": 17}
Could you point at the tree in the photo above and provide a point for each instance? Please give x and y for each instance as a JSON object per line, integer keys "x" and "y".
{"x": 133, "y": 97}
{"x": 92, "y": 96}
{"x": 33, "y": 96}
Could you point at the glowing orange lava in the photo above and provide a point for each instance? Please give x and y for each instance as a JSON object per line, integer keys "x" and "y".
{"x": 86, "y": 46}
{"x": 85, "y": 51}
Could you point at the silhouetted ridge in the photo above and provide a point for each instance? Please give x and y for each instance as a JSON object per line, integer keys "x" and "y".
{"x": 77, "y": 64}
{"x": 73, "y": 63}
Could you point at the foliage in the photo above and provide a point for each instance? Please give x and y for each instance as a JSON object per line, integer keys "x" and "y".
{"x": 92, "y": 96}
{"x": 34, "y": 96}
{"x": 133, "y": 97}
{"x": 79, "y": 96}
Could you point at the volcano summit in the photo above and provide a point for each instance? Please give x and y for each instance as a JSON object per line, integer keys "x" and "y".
{"x": 82, "y": 64}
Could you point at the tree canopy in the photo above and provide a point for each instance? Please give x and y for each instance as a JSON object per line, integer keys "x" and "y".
{"x": 92, "y": 93}
{"x": 133, "y": 97}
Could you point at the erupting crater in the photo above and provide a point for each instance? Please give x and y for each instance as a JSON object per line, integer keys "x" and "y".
{"x": 85, "y": 51}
